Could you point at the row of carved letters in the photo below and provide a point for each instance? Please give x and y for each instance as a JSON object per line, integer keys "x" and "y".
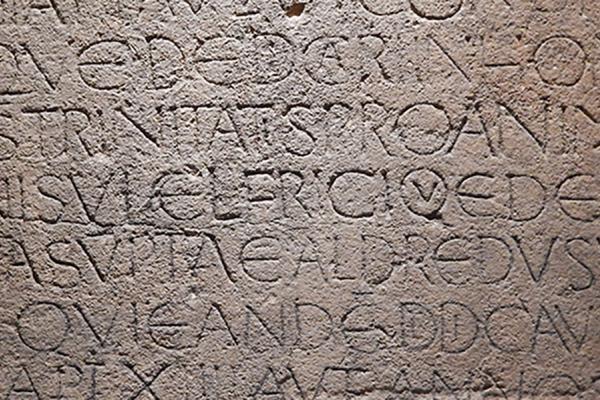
{"x": 222, "y": 194}
{"x": 449, "y": 327}
{"x": 131, "y": 9}
{"x": 111, "y": 64}
{"x": 38, "y": 134}
{"x": 212, "y": 381}
{"x": 268, "y": 259}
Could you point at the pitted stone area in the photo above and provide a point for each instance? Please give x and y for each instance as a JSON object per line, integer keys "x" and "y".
{"x": 300, "y": 199}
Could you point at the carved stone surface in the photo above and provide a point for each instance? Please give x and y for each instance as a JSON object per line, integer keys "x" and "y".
{"x": 273, "y": 199}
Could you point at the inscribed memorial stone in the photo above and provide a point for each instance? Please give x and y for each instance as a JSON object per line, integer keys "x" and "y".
{"x": 280, "y": 199}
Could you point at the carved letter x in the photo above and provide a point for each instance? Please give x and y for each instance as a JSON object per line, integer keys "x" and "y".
{"x": 146, "y": 384}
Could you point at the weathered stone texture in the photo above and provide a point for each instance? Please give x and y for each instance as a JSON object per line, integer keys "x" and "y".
{"x": 272, "y": 199}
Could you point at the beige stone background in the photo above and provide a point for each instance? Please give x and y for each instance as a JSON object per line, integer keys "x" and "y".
{"x": 338, "y": 199}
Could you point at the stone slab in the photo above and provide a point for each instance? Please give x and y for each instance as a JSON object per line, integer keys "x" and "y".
{"x": 272, "y": 199}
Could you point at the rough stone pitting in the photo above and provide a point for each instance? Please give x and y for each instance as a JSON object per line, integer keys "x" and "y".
{"x": 282, "y": 199}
